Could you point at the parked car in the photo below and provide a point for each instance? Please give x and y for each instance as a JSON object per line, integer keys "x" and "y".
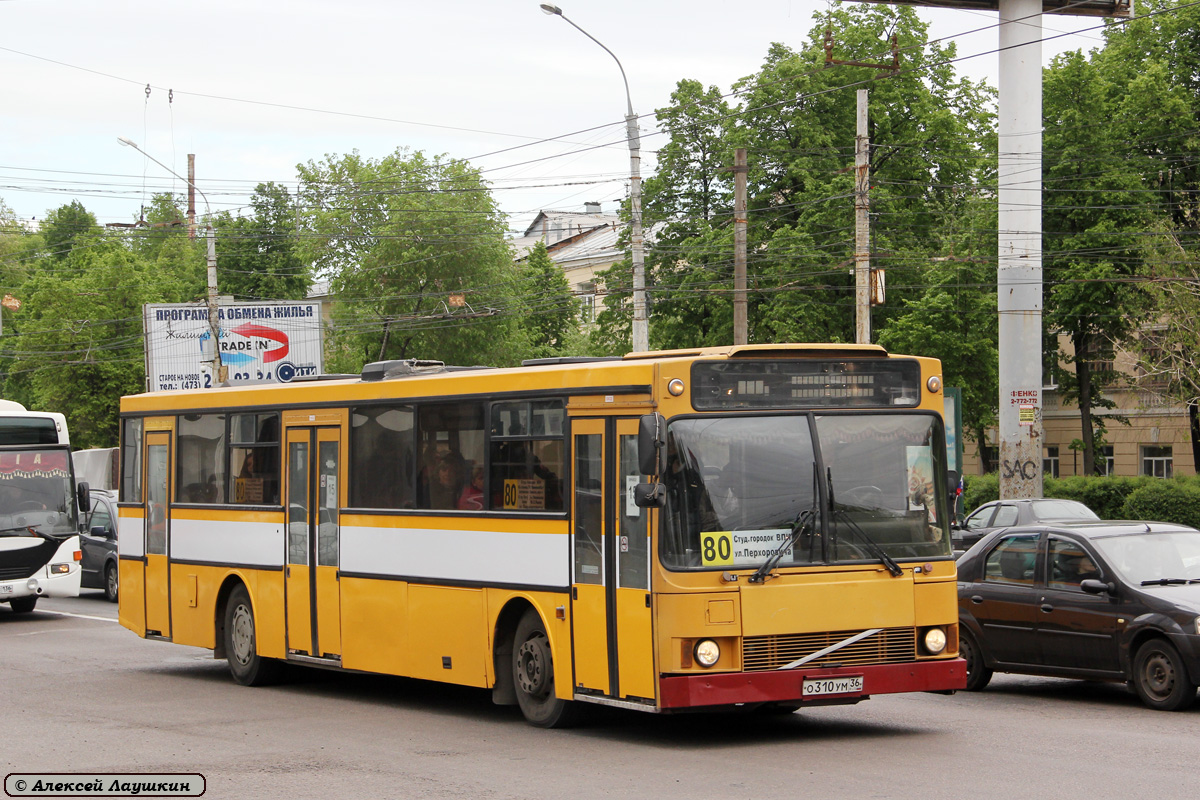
{"x": 99, "y": 545}
{"x": 1006, "y": 513}
{"x": 1110, "y": 601}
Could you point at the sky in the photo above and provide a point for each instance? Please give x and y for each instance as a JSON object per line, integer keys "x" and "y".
{"x": 255, "y": 87}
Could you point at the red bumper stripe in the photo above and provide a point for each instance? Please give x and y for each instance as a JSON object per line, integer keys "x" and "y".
{"x": 722, "y": 689}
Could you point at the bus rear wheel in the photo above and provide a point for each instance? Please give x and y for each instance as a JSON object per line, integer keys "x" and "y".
{"x": 533, "y": 676}
{"x": 241, "y": 645}
{"x": 23, "y": 605}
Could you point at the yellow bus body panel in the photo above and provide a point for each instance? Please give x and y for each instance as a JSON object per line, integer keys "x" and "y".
{"x": 375, "y": 625}
{"x": 828, "y": 601}
{"x": 448, "y": 634}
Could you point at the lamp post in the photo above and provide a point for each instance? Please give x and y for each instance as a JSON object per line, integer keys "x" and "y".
{"x": 214, "y": 324}
{"x": 641, "y": 326}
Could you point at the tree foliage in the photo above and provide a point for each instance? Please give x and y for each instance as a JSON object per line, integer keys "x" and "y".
{"x": 415, "y": 252}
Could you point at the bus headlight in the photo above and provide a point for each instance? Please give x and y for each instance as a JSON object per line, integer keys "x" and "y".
{"x": 60, "y": 569}
{"x": 935, "y": 641}
{"x": 707, "y": 652}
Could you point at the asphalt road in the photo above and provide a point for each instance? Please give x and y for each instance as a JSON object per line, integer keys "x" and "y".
{"x": 81, "y": 694}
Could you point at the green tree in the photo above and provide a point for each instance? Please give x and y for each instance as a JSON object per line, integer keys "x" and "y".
{"x": 415, "y": 251}
{"x": 549, "y": 316}
{"x": 1094, "y": 211}
{"x": 258, "y": 255}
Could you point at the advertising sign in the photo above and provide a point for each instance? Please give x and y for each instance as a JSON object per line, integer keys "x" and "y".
{"x": 265, "y": 342}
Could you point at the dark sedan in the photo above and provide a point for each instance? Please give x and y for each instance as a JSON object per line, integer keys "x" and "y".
{"x": 1111, "y": 601}
{"x": 99, "y": 545}
{"x": 1006, "y": 513}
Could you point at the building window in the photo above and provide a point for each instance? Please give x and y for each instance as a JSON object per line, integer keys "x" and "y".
{"x": 587, "y": 308}
{"x": 1050, "y": 462}
{"x": 991, "y": 457}
{"x": 1156, "y": 460}
{"x": 1105, "y": 463}
{"x": 1098, "y": 355}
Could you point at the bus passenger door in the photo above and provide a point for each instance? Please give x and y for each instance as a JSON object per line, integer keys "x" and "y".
{"x": 634, "y": 637}
{"x": 158, "y": 561}
{"x": 313, "y": 499}
{"x": 589, "y": 603}
{"x": 614, "y": 655}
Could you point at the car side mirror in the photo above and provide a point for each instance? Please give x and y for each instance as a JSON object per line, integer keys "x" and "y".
{"x": 1093, "y": 586}
{"x": 100, "y": 532}
{"x": 649, "y": 495}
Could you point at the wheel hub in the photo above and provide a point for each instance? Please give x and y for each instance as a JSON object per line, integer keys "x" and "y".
{"x": 532, "y": 660}
{"x": 1160, "y": 677}
{"x": 242, "y": 635}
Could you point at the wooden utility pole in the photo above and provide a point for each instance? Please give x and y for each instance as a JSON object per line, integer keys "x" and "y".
{"x": 191, "y": 218}
{"x": 862, "y": 227}
{"x": 740, "y": 332}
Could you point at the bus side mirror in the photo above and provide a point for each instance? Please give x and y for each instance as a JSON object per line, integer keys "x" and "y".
{"x": 649, "y": 495}
{"x": 652, "y": 438}
{"x": 83, "y": 496}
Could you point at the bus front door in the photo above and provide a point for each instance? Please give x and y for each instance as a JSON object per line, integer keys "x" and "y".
{"x": 610, "y": 590}
{"x": 158, "y": 560}
{"x": 313, "y": 498}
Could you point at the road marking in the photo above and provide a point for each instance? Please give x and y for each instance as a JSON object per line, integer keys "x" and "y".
{"x": 79, "y": 616}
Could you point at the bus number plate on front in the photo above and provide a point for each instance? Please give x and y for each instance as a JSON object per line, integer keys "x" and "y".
{"x": 6, "y": 590}
{"x": 849, "y": 684}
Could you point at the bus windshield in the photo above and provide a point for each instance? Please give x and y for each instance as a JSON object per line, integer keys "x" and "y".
{"x": 37, "y": 491}
{"x": 824, "y": 488}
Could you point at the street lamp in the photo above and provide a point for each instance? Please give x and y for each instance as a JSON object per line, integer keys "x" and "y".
{"x": 214, "y": 324}
{"x": 641, "y": 327}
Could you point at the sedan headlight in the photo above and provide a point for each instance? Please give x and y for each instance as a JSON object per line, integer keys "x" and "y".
{"x": 1198, "y": 626}
{"x": 707, "y": 652}
{"x": 935, "y": 641}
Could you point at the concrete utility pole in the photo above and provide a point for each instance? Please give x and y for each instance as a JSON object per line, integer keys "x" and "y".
{"x": 219, "y": 371}
{"x": 862, "y": 227}
{"x": 740, "y": 332}
{"x": 191, "y": 213}
{"x": 1019, "y": 271}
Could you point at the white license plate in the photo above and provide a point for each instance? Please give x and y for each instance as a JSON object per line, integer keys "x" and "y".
{"x": 848, "y": 684}
{"x": 6, "y": 589}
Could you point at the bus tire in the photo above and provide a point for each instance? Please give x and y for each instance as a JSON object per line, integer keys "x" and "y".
{"x": 241, "y": 644}
{"x": 110, "y": 582}
{"x": 23, "y": 605}
{"x": 533, "y": 675}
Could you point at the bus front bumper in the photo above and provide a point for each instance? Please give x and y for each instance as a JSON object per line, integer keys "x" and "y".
{"x": 789, "y": 686}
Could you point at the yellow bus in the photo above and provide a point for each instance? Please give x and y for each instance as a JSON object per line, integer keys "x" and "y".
{"x": 749, "y": 526}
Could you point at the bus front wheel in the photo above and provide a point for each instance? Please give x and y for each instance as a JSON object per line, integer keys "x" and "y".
{"x": 533, "y": 675}
{"x": 241, "y": 646}
{"x": 23, "y": 605}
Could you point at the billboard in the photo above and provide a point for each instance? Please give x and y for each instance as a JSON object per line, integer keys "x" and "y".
{"x": 261, "y": 342}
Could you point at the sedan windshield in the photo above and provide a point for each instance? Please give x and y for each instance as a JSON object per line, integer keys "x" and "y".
{"x": 817, "y": 488}
{"x": 1153, "y": 557}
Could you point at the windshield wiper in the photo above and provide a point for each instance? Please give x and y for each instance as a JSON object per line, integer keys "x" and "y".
{"x": 1170, "y": 581}
{"x": 872, "y": 546}
{"x": 802, "y": 521}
